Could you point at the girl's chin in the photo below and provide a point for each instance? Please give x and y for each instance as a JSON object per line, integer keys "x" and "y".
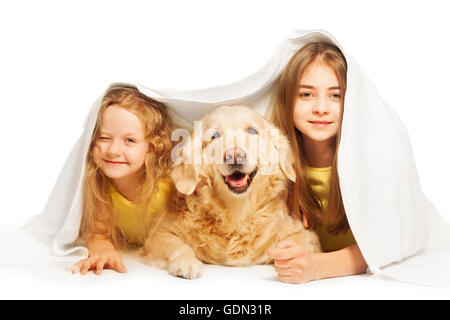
{"x": 322, "y": 137}
{"x": 120, "y": 174}
{"x": 115, "y": 174}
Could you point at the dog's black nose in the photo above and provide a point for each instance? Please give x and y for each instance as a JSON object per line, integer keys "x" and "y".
{"x": 234, "y": 156}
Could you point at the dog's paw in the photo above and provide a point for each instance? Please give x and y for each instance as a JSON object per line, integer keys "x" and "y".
{"x": 187, "y": 267}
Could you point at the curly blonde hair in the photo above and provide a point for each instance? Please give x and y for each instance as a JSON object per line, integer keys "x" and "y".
{"x": 98, "y": 214}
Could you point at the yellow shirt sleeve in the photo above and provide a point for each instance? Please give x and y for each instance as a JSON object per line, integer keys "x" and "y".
{"x": 320, "y": 184}
{"x": 133, "y": 220}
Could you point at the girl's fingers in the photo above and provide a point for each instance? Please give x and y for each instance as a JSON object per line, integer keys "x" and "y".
{"x": 122, "y": 268}
{"x": 274, "y": 254}
{"x": 86, "y": 266}
{"x": 298, "y": 262}
{"x": 285, "y": 279}
{"x": 286, "y": 253}
{"x": 74, "y": 268}
{"x": 283, "y": 271}
{"x": 118, "y": 265}
{"x": 282, "y": 263}
{"x": 289, "y": 267}
{"x": 100, "y": 265}
{"x": 273, "y": 251}
{"x": 79, "y": 265}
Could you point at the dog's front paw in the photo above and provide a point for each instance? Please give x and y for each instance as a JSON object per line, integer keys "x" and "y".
{"x": 187, "y": 267}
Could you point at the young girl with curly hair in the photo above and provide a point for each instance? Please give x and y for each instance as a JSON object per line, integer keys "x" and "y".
{"x": 126, "y": 180}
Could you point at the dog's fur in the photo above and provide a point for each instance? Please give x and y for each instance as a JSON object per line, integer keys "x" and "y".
{"x": 207, "y": 222}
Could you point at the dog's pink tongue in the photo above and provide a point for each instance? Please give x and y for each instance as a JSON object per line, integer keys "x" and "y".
{"x": 237, "y": 182}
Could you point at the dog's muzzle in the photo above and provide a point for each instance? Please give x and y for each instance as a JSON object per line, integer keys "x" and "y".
{"x": 239, "y": 181}
{"x": 234, "y": 156}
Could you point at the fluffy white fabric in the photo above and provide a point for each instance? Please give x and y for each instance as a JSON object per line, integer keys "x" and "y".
{"x": 397, "y": 229}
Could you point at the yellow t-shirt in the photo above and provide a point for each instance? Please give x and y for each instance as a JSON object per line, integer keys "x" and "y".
{"x": 132, "y": 219}
{"x": 320, "y": 183}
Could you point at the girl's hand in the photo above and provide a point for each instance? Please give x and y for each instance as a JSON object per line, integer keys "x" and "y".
{"x": 101, "y": 255}
{"x": 292, "y": 264}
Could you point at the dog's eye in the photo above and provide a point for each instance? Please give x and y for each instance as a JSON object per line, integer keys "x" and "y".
{"x": 215, "y": 135}
{"x": 252, "y": 130}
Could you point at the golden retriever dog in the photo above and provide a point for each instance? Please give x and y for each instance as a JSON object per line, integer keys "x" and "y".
{"x": 229, "y": 205}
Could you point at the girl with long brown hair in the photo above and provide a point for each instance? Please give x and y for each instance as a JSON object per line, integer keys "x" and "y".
{"x": 308, "y": 105}
{"x": 126, "y": 180}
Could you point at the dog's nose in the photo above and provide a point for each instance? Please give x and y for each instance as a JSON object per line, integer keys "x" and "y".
{"x": 234, "y": 156}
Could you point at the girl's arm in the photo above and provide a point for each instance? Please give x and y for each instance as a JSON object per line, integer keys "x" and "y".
{"x": 293, "y": 265}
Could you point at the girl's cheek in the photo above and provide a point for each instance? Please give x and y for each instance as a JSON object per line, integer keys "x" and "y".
{"x": 298, "y": 121}
{"x": 144, "y": 152}
{"x": 137, "y": 157}
{"x": 96, "y": 154}
{"x": 301, "y": 109}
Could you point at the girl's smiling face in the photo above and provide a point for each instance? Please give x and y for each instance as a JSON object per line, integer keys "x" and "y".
{"x": 121, "y": 146}
{"x": 317, "y": 109}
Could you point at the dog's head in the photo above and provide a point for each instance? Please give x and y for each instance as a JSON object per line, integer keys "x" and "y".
{"x": 233, "y": 148}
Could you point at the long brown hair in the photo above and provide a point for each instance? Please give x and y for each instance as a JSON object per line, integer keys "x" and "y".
{"x": 302, "y": 199}
{"x": 98, "y": 215}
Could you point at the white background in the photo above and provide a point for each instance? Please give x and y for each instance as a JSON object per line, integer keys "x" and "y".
{"x": 56, "y": 58}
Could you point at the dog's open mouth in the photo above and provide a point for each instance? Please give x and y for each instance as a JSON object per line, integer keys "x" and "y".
{"x": 239, "y": 182}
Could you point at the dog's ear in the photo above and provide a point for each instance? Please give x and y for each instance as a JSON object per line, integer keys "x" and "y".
{"x": 284, "y": 155}
{"x": 185, "y": 173}
{"x": 286, "y": 158}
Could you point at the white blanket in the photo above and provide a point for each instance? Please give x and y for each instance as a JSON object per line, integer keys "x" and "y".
{"x": 397, "y": 229}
